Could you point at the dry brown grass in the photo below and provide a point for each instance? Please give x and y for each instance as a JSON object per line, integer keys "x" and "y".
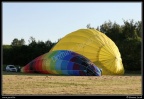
{"x": 71, "y": 85}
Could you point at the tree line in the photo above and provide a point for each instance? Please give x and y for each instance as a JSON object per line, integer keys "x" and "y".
{"x": 20, "y": 54}
{"x": 127, "y": 37}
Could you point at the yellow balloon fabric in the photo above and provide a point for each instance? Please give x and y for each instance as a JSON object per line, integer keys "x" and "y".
{"x": 96, "y": 46}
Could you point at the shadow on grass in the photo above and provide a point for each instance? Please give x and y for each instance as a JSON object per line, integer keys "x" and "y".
{"x": 128, "y": 73}
{"x": 133, "y": 73}
{"x": 27, "y": 74}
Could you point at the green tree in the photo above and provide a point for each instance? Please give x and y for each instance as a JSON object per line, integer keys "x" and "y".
{"x": 89, "y": 26}
{"x": 129, "y": 29}
{"x": 15, "y": 42}
{"x": 22, "y": 42}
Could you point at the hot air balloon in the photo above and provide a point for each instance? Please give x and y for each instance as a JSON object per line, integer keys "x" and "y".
{"x": 62, "y": 62}
{"x": 95, "y": 46}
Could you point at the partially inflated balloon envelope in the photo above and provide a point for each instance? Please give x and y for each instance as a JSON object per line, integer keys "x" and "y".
{"x": 62, "y": 62}
{"x": 96, "y": 46}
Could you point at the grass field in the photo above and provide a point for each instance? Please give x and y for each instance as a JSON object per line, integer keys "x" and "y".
{"x": 42, "y": 84}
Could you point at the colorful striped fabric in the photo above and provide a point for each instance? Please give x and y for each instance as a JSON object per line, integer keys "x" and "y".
{"x": 62, "y": 62}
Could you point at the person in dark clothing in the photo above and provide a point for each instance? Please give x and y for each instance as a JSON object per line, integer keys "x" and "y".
{"x": 101, "y": 71}
{"x": 19, "y": 68}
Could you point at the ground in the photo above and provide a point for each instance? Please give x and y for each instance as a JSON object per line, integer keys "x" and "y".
{"x": 42, "y": 84}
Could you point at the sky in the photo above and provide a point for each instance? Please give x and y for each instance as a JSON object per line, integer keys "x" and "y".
{"x": 54, "y": 20}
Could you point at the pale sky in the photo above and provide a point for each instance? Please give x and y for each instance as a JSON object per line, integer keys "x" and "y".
{"x": 53, "y": 20}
